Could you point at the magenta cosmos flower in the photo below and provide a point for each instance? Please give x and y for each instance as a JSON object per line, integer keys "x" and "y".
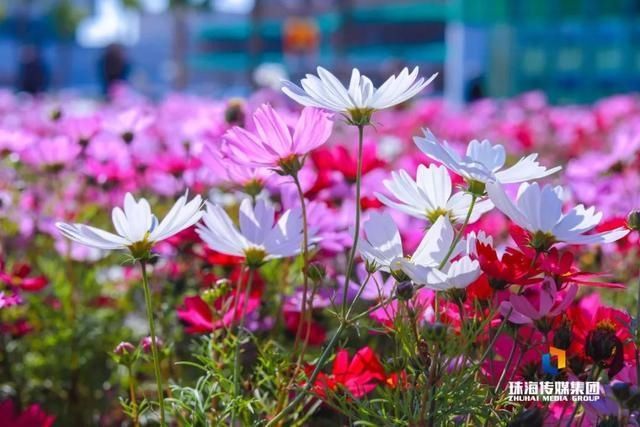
{"x": 273, "y": 143}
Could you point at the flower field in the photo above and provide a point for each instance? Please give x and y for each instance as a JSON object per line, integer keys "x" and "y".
{"x": 328, "y": 255}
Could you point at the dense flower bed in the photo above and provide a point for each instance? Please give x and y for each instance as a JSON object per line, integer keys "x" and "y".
{"x": 473, "y": 259}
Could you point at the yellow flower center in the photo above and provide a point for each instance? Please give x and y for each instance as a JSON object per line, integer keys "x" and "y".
{"x": 254, "y": 257}
{"x": 360, "y": 116}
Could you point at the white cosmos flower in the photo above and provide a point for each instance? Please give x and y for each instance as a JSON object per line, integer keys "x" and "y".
{"x": 483, "y": 162}
{"x": 429, "y": 196}
{"x": 259, "y": 238}
{"x": 326, "y": 91}
{"x": 381, "y": 245}
{"x": 539, "y": 210}
{"x": 138, "y": 229}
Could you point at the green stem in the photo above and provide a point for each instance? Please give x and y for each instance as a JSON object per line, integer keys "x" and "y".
{"x": 595, "y": 373}
{"x": 305, "y": 267}
{"x": 154, "y": 345}
{"x": 356, "y": 231}
{"x": 343, "y": 321}
{"x": 236, "y": 360}
{"x": 323, "y": 357}
{"x": 638, "y": 336}
{"x": 360, "y": 290}
{"x": 456, "y": 240}
{"x": 132, "y": 395}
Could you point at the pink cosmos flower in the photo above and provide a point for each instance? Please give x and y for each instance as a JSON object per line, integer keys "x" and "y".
{"x": 57, "y": 151}
{"x": 32, "y": 416}
{"x": 273, "y": 142}
{"x": 536, "y": 304}
{"x": 129, "y": 123}
{"x": 199, "y": 317}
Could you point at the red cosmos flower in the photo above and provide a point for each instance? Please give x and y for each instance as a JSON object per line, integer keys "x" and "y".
{"x": 602, "y": 334}
{"x": 19, "y": 278}
{"x": 630, "y": 241}
{"x": 359, "y": 376}
{"x": 317, "y": 334}
{"x": 32, "y": 416}
{"x": 199, "y": 316}
{"x": 480, "y": 289}
{"x": 398, "y": 379}
{"x": 523, "y": 239}
{"x": 16, "y": 329}
{"x": 561, "y": 268}
{"x": 341, "y": 159}
{"x": 515, "y": 268}
{"x": 216, "y": 258}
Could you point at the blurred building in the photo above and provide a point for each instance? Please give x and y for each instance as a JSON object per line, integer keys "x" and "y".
{"x": 574, "y": 50}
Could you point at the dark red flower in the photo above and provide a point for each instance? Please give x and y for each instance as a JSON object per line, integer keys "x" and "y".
{"x": 19, "y": 278}
{"x": 32, "y": 416}
{"x": 359, "y": 376}
{"x": 317, "y": 334}
{"x": 17, "y": 328}
{"x": 602, "y": 334}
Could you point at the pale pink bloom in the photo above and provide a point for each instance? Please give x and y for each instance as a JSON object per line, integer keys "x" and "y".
{"x": 221, "y": 168}
{"x": 535, "y": 304}
{"x": 81, "y": 129}
{"x": 56, "y": 151}
{"x": 273, "y": 141}
{"x": 15, "y": 140}
{"x": 130, "y": 122}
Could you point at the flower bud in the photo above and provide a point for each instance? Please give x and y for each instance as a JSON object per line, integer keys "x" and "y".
{"x": 371, "y": 267}
{"x": 146, "y": 344}
{"x": 209, "y": 295}
{"x": 633, "y": 220}
{"x": 125, "y": 353}
{"x": 124, "y": 348}
{"x": 404, "y": 290}
{"x": 423, "y": 354}
{"x": 621, "y": 390}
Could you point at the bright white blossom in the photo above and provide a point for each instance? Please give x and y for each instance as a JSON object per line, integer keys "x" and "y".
{"x": 361, "y": 97}
{"x": 539, "y": 210}
{"x": 483, "y": 162}
{"x": 259, "y": 238}
{"x": 429, "y": 196}
{"x": 138, "y": 229}
{"x": 381, "y": 246}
